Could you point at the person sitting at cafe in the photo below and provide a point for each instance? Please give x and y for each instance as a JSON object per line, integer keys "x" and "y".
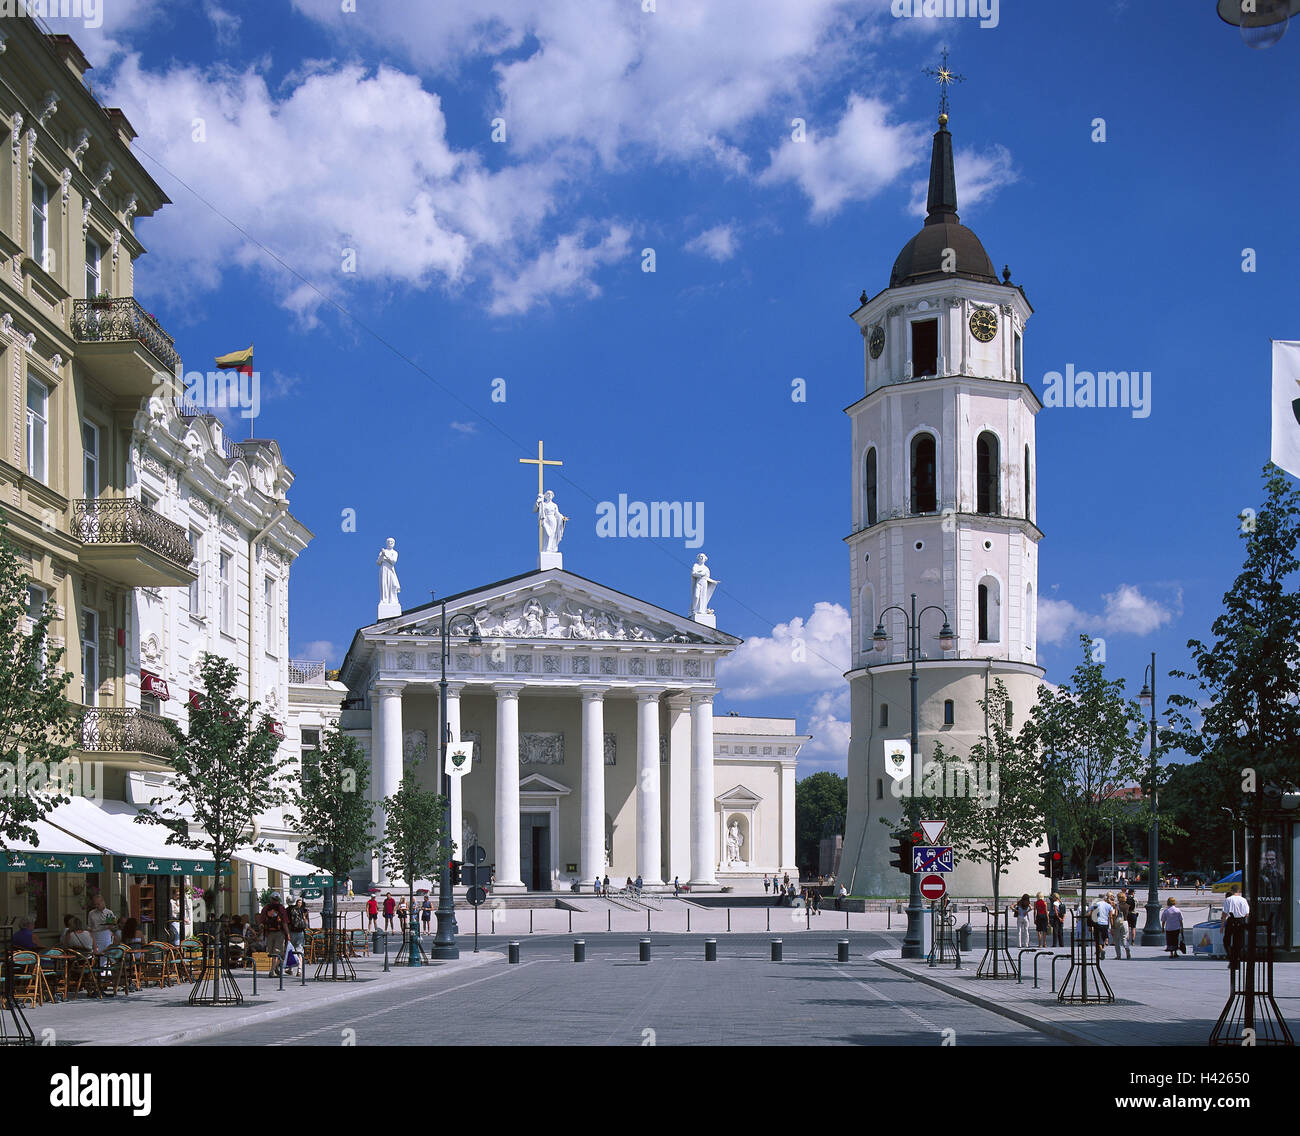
{"x": 128, "y": 934}
{"x": 25, "y": 937}
{"x": 77, "y": 938}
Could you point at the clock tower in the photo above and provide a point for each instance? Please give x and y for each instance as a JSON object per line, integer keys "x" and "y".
{"x": 944, "y": 507}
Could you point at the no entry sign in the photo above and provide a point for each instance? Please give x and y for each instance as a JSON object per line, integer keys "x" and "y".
{"x": 933, "y": 887}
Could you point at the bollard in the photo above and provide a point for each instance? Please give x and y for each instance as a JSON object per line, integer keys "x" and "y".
{"x": 776, "y": 950}
{"x": 385, "y": 952}
{"x": 647, "y": 919}
{"x": 609, "y": 919}
{"x": 846, "y": 919}
{"x": 688, "y": 918}
{"x": 887, "y": 917}
{"x": 645, "y": 950}
{"x": 282, "y": 972}
{"x": 254, "y": 961}
{"x": 728, "y": 918}
{"x": 769, "y": 918}
{"x": 570, "y": 920}
{"x": 530, "y": 920}
{"x": 579, "y": 950}
{"x": 842, "y": 951}
{"x": 513, "y": 949}
{"x": 374, "y": 942}
{"x": 710, "y": 950}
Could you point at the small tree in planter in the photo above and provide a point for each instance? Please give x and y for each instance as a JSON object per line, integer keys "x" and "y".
{"x": 335, "y": 820}
{"x": 412, "y": 846}
{"x": 227, "y": 774}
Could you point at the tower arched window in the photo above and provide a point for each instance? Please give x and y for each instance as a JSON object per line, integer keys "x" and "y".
{"x": 1028, "y": 513}
{"x": 869, "y": 487}
{"x": 949, "y": 711}
{"x": 884, "y": 714}
{"x": 986, "y": 473}
{"x": 988, "y": 613}
{"x": 924, "y": 475}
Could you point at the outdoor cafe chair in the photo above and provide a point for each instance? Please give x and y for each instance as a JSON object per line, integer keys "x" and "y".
{"x": 155, "y": 965}
{"x": 29, "y": 979}
{"x": 55, "y": 971}
{"x": 83, "y": 974}
{"x": 115, "y": 973}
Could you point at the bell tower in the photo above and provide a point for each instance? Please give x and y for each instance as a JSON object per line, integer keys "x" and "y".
{"x": 943, "y": 506}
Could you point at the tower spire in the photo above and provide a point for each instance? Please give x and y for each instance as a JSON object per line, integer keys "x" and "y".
{"x": 941, "y": 201}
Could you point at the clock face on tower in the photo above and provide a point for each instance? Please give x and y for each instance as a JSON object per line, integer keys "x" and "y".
{"x": 983, "y": 324}
{"x": 877, "y": 341}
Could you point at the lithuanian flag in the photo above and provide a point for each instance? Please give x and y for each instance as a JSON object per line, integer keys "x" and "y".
{"x": 241, "y": 361}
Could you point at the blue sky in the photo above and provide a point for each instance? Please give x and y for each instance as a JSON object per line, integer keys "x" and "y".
{"x": 324, "y": 130}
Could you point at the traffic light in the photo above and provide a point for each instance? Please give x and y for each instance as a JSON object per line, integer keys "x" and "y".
{"x": 902, "y": 849}
{"x": 455, "y": 872}
{"x": 1050, "y": 864}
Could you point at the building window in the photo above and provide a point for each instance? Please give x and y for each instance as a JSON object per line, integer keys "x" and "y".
{"x": 948, "y": 711}
{"x": 93, "y": 260}
{"x": 150, "y": 705}
{"x": 90, "y": 464}
{"x": 40, "y": 223}
{"x": 227, "y": 596}
{"x": 925, "y": 348}
{"x": 924, "y": 478}
{"x": 986, "y": 473}
{"x": 1016, "y": 359}
{"x": 310, "y": 750}
{"x": 884, "y": 714}
{"x": 38, "y": 430}
{"x": 268, "y": 602}
{"x": 869, "y": 487}
{"x": 89, "y": 657}
{"x": 196, "y": 587}
{"x": 1027, "y": 513}
{"x": 984, "y": 613}
{"x": 1011, "y": 714}
{"x": 37, "y": 598}
{"x": 988, "y": 611}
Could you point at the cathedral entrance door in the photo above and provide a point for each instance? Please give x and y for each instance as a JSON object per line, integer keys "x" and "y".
{"x": 535, "y": 850}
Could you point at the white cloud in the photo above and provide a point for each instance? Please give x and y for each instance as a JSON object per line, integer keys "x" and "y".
{"x": 863, "y": 154}
{"x": 828, "y": 723}
{"x": 1127, "y": 611}
{"x": 118, "y": 20}
{"x": 979, "y": 177}
{"x": 225, "y": 24}
{"x": 465, "y": 427}
{"x": 568, "y": 266}
{"x": 799, "y": 657}
{"x": 717, "y": 243}
{"x": 319, "y": 649}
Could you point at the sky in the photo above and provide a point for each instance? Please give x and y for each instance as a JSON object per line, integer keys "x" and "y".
{"x": 435, "y": 223}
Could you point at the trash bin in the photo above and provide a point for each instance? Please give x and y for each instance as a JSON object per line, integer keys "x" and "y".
{"x": 963, "y": 937}
{"x": 375, "y": 945}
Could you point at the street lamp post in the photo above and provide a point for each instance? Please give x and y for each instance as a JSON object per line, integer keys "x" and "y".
{"x": 913, "y": 941}
{"x": 1233, "y": 834}
{"x": 444, "y": 942}
{"x": 1152, "y": 935}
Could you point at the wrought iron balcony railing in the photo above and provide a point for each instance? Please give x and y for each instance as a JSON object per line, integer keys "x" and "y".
{"x": 126, "y": 521}
{"x": 122, "y": 730}
{"x": 121, "y": 319}
{"x": 310, "y": 671}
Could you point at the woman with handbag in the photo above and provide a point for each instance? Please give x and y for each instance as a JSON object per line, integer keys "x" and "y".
{"x": 1171, "y": 919}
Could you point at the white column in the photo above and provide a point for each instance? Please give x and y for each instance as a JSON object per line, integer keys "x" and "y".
{"x": 787, "y": 818}
{"x": 507, "y": 779}
{"x": 455, "y": 802}
{"x": 703, "y": 838}
{"x": 648, "y": 866}
{"x": 679, "y": 787}
{"x": 591, "y": 843}
{"x": 386, "y": 701}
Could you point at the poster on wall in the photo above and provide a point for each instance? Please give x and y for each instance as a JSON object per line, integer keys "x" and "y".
{"x": 1273, "y": 903}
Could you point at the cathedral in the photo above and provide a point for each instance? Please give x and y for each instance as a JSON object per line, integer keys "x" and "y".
{"x": 943, "y": 509}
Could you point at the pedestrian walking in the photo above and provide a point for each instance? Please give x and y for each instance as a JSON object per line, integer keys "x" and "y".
{"x": 1099, "y": 916}
{"x": 637, "y": 886}
{"x": 1056, "y": 913}
{"x": 766, "y": 883}
{"x": 1236, "y": 912}
{"x": 1131, "y": 905}
{"x": 817, "y": 900}
{"x": 1171, "y": 919}
{"x": 1119, "y": 927}
{"x": 1040, "y": 919}
{"x": 787, "y": 880}
{"x": 840, "y": 895}
{"x": 390, "y": 909}
{"x": 426, "y": 913}
{"x": 372, "y": 909}
{"x": 274, "y": 920}
{"x": 1020, "y": 909}
{"x": 349, "y": 887}
{"x": 604, "y": 890}
{"x": 677, "y": 886}
{"x": 298, "y": 921}
{"x": 401, "y": 915}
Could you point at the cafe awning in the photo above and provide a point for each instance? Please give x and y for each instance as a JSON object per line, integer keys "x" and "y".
{"x": 52, "y": 851}
{"x": 279, "y": 862}
{"x": 136, "y": 848}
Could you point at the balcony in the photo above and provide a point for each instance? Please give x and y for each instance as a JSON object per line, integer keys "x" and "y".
{"x": 132, "y": 545}
{"x": 117, "y": 730}
{"x": 122, "y": 345}
{"x": 310, "y": 672}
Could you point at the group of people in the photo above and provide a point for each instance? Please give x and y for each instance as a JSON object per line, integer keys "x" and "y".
{"x": 398, "y": 907}
{"x": 278, "y": 931}
{"x": 100, "y": 930}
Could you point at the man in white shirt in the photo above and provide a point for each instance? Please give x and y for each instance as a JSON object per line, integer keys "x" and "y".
{"x": 1236, "y": 911}
{"x": 1099, "y": 913}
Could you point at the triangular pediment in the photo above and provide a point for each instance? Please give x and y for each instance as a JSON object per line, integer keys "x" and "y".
{"x": 536, "y": 783}
{"x": 551, "y": 605}
{"x": 738, "y": 797}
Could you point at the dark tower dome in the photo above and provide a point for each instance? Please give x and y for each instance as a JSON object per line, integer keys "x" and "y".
{"x": 922, "y": 257}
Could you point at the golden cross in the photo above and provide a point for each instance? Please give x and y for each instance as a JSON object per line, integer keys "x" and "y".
{"x": 539, "y": 462}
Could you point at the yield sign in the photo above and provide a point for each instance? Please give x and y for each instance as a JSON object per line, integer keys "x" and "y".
{"x": 933, "y": 830}
{"x": 933, "y": 887}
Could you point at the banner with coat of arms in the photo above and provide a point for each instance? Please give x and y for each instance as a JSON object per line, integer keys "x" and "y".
{"x": 898, "y": 758}
{"x": 460, "y": 758}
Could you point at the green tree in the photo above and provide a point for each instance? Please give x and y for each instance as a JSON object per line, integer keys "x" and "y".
{"x": 994, "y": 825}
{"x": 412, "y": 844}
{"x": 227, "y": 772}
{"x": 37, "y": 723}
{"x": 333, "y": 815}
{"x": 821, "y": 801}
{"x": 1089, "y": 738}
